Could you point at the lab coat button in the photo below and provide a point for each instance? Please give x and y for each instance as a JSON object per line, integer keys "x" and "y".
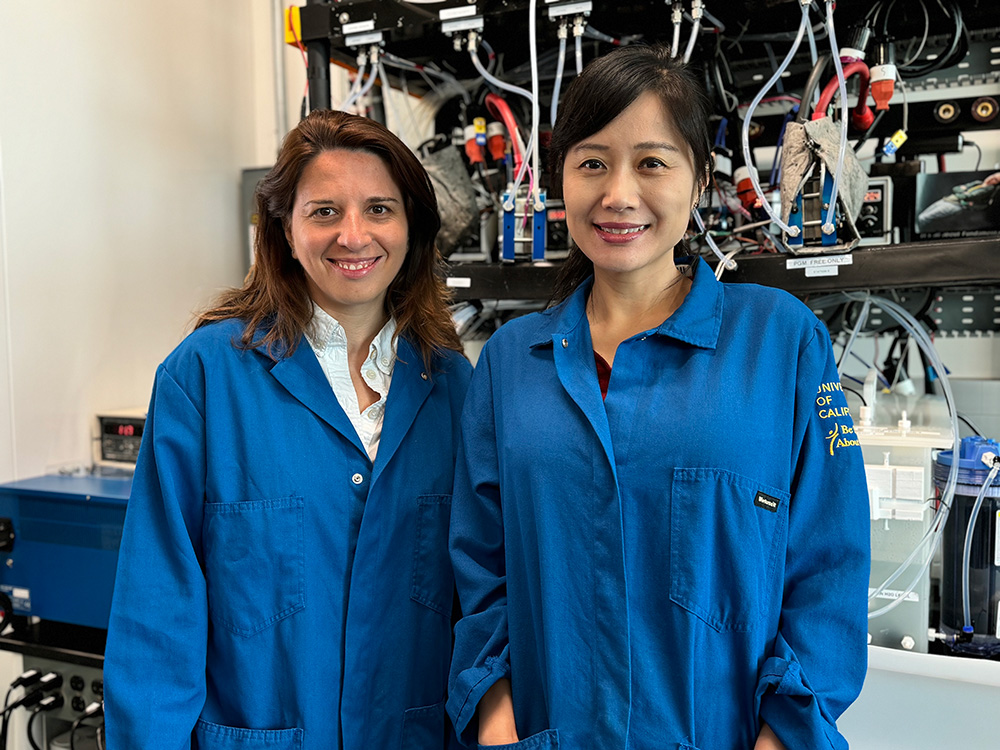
{"x": 565, "y": 343}
{"x": 370, "y": 374}
{"x": 357, "y": 479}
{"x": 423, "y": 376}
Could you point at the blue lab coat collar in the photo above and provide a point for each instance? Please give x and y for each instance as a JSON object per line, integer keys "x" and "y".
{"x": 697, "y": 321}
{"x": 302, "y": 376}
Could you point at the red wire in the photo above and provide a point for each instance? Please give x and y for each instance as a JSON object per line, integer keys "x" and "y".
{"x": 498, "y": 107}
{"x": 827, "y": 96}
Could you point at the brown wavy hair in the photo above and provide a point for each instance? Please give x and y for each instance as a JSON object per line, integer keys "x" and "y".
{"x": 604, "y": 90}
{"x": 274, "y": 300}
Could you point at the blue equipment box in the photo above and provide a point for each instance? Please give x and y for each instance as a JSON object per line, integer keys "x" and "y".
{"x": 60, "y": 562}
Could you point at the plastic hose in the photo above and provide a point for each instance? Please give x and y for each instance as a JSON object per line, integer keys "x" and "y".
{"x": 388, "y": 99}
{"x": 694, "y": 38}
{"x": 352, "y": 95}
{"x": 827, "y": 96}
{"x": 531, "y": 141}
{"x": 934, "y": 533}
{"x": 828, "y": 227}
{"x": 578, "y": 45}
{"x": 967, "y": 551}
{"x": 498, "y": 107}
{"x": 728, "y": 263}
{"x": 765, "y": 203}
{"x": 363, "y": 91}
{"x": 560, "y": 64}
{"x": 676, "y": 43}
{"x": 813, "y": 52}
{"x": 399, "y": 62}
{"x": 535, "y": 109}
{"x": 862, "y": 317}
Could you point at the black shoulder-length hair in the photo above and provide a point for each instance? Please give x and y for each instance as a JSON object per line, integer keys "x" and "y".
{"x": 605, "y": 89}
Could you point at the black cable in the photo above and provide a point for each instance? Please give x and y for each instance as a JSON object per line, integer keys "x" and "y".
{"x": 72, "y": 733}
{"x": 864, "y": 139}
{"x": 856, "y": 393}
{"x": 971, "y": 425}
{"x": 94, "y": 709}
{"x": 979, "y": 158}
{"x": 957, "y": 49}
{"x": 31, "y": 723}
{"x": 811, "y": 84}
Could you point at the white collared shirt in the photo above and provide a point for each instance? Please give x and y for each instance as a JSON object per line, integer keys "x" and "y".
{"x": 328, "y": 340}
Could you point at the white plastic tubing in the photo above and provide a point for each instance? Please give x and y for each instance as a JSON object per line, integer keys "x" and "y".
{"x": 828, "y": 226}
{"x": 694, "y": 38}
{"x": 932, "y": 538}
{"x": 559, "y": 75}
{"x": 725, "y": 262}
{"x": 362, "y": 91}
{"x": 535, "y": 109}
{"x": 765, "y": 203}
{"x": 352, "y": 95}
{"x": 967, "y": 551}
{"x": 529, "y": 150}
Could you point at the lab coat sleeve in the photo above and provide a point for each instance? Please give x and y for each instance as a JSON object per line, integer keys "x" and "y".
{"x": 154, "y": 666}
{"x": 477, "y": 553}
{"x": 820, "y": 653}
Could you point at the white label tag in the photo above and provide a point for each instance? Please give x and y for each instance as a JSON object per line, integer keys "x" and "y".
{"x": 449, "y": 13}
{"x": 570, "y": 9}
{"x": 462, "y": 24}
{"x": 894, "y": 594}
{"x": 819, "y": 261}
{"x": 358, "y": 26}
{"x": 459, "y": 282}
{"x": 357, "y": 40}
{"x": 822, "y": 271}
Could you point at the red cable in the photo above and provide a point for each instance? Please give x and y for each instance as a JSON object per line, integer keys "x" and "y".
{"x": 827, "y": 96}
{"x": 499, "y": 108}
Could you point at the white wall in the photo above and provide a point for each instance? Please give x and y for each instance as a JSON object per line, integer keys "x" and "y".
{"x": 123, "y": 129}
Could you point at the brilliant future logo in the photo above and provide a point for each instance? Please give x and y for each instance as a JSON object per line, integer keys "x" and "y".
{"x": 832, "y": 436}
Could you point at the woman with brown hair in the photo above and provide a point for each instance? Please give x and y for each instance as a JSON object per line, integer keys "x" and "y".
{"x": 283, "y": 577}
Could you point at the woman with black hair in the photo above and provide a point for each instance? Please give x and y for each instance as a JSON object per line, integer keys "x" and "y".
{"x": 660, "y": 523}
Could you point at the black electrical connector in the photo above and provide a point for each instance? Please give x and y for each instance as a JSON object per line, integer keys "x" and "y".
{"x": 48, "y": 703}
{"x": 42, "y": 687}
{"x": 94, "y": 709}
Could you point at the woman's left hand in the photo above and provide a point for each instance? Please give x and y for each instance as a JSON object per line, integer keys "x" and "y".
{"x": 767, "y": 740}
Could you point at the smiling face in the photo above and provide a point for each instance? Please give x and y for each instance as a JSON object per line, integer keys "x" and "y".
{"x": 348, "y": 230}
{"x": 629, "y": 190}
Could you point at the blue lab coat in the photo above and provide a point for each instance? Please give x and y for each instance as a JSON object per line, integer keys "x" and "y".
{"x": 673, "y": 566}
{"x": 276, "y": 589}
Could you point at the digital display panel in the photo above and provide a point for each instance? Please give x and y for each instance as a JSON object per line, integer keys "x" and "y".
{"x": 122, "y": 427}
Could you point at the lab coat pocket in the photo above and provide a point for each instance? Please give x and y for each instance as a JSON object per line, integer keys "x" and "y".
{"x": 254, "y": 562}
{"x": 547, "y": 740}
{"x": 433, "y": 581}
{"x": 423, "y": 727}
{"x": 726, "y": 532}
{"x": 209, "y": 736}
